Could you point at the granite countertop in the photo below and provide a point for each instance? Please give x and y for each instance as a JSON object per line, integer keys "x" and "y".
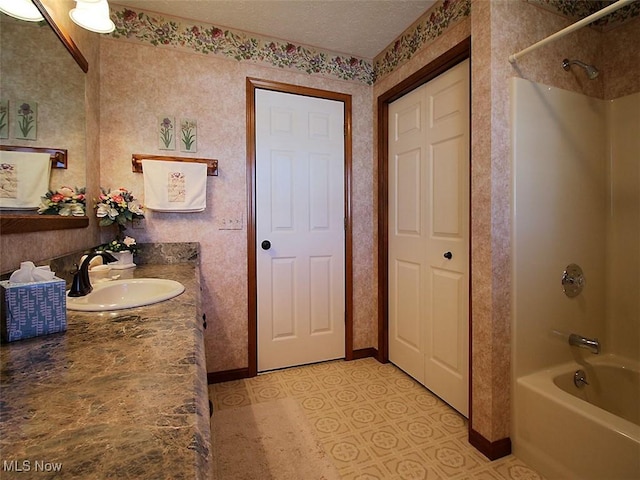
{"x": 119, "y": 395}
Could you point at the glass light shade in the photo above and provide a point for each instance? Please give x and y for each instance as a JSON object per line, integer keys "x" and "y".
{"x": 93, "y": 15}
{"x": 21, "y": 9}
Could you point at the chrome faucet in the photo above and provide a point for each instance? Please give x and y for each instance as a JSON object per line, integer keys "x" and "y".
{"x": 591, "y": 344}
{"x": 81, "y": 284}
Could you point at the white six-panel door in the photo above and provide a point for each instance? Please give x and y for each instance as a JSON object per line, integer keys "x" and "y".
{"x": 300, "y": 212}
{"x": 429, "y": 235}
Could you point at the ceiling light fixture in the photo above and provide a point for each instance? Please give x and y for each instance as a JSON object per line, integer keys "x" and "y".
{"x": 21, "y": 9}
{"x": 93, "y": 15}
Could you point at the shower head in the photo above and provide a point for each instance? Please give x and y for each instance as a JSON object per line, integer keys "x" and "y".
{"x": 592, "y": 72}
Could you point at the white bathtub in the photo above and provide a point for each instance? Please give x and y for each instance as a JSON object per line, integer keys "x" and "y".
{"x": 559, "y": 433}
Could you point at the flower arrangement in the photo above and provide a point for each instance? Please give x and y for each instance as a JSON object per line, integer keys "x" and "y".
{"x": 118, "y": 207}
{"x": 127, "y": 244}
{"x": 66, "y": 201}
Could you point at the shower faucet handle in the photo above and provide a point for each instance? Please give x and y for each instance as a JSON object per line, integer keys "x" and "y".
{"x": 572, "y": 280}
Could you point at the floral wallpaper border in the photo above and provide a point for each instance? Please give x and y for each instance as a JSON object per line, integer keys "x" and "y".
{"x": 429, "y": 27}
{"x": 209, "y": 39}
{"x": 576, "y": 10}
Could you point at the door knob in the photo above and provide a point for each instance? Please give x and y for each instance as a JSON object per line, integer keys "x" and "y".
{"x": 448, "y": 255}
{"x": 266, "y": 244}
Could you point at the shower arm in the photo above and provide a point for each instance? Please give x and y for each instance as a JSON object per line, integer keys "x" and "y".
{"x": 579, "y": 24}
{"x": 592, "y": 72}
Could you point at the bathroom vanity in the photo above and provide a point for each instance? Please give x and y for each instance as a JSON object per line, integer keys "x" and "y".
{"x": 120, "y": 394}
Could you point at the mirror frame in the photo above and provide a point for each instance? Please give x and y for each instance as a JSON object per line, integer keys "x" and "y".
{"x": 21, "y": 223}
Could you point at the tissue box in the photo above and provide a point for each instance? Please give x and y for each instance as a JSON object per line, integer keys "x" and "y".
{"x": 31, "y": 309}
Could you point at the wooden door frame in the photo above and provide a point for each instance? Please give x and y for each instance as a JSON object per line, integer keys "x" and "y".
{"x": 449, "y": 59}
{"x": 252, "y": 84}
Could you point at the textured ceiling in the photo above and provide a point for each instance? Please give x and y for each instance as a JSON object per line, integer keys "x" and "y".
{"x": 362, "y": 28}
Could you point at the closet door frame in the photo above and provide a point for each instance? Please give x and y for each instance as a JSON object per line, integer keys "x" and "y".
{"x": 449, "y": 59}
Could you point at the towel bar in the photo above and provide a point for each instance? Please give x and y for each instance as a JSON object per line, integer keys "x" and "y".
{"x": 136, "y": 162}
{"x": 58, "y": 155}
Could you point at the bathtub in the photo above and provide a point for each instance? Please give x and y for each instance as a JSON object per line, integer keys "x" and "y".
{"x": 591, "y": 433}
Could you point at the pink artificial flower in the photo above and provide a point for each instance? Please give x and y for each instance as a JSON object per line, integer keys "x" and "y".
{"x": 66, "y": 191}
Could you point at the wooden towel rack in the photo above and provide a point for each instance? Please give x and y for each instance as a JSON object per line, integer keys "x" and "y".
{"x": 136, "y": 162}
{"x": 58, "y": 155}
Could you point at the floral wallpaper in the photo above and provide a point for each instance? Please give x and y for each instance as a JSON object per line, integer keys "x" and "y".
{"x": 578, "y": 10}
{"x": 428, "y": 28}
{"x": 209, "y": 39}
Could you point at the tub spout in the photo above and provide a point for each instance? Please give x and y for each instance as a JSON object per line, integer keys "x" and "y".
{"x": 591, "y": 344}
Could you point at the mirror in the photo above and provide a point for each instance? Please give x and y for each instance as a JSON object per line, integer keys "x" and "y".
{"x": 40, "y": 64}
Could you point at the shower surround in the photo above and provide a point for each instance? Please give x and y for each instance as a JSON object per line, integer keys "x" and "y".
{"x": 576, "y": 200}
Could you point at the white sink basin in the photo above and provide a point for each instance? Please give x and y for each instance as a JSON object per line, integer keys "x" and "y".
{"x": 128, "y": 293}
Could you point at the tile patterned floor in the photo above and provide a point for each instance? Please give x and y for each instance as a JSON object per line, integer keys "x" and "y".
{"x": 376, "y": 422}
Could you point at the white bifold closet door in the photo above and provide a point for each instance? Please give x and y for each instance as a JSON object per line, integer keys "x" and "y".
{"x": 429, "y": 235}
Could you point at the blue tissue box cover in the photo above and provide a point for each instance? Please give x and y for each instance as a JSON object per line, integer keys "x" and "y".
{"x": 31, "y": 309}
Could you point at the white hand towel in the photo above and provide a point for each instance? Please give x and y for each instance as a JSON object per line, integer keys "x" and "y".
{"x": 24, "y": 178}
{"x": 175, "y": 186}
